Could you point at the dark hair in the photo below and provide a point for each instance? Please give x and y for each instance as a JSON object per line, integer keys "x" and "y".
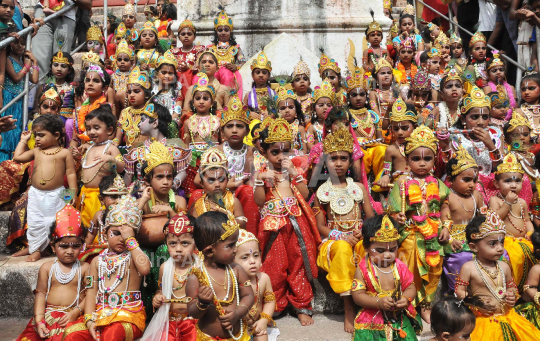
{"x": 535, "y": 77}
{"x": 215, "y": 38}
{"x": 192, "y": 222}
{"x": 451, "y": 316}
{"x": 158, "y": 46}
{"x": 426, "y": 35}
{"x": 169, "y": 9}
{"x": 267, "y": 81}
{"x": 452, "y": 162}
{"x": 535, "y": 240}
{"x": 71, "y": 74}
{"x": 490, "y": 61}
{"x": 474, "y": 227}
{"x": 164, "y": 118}
{"x": 160, "y": 66}
{"x": 405, "y": 16}
{"x": 371, "y": 226}
{"x": 53, "y": 124}
{"x": 424, "y": 57}
{"x": 106, "y": 183}
{"x": 256, "y": 126}
{"x": 53, "y": 227}
{"x": 104, "y": 114}
{"x": 105, "y": 81}
{"x": 148, "y": 176}
{"x": 208, "y": 229}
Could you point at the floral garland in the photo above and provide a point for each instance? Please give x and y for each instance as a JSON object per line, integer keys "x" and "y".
{"x": 81, "y": 115}
{"x": 427, "y": 224}
{"x": 404, "y": 78}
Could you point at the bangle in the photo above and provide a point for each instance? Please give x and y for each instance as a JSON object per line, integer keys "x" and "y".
{"x": 258, "y": 183}
{"x": 267, "y": 317}
{"x": 115, "y": 140}
{"x": 410, "y": 299}
{"x": 80, "y": 310}
{"x": 536, "y": 299}
{"x": 27, "y": 66}
{"x": 377, "y": 303}
{"x": 35, "y": 67}
{"x": 131, "y": 243}
{"x": 198, "y": 304}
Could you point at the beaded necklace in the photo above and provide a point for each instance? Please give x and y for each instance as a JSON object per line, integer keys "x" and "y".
{"x": 499, "y": 290}
{"x": 531, "y": 115}
{"x": 43, "y": 181}
{"x": 65, "y": 279}
{"x": 110, "y": 265}
{"x": 236, "y": 159}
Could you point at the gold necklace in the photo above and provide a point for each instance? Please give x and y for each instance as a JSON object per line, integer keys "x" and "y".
{"x": 224, "y": 285}
{"x": 43, "y": 180}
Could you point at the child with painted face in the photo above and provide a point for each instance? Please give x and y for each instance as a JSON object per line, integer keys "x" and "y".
{"x": 123, "y": 60}
{"x": 248, "y": 256}
{"x": 215, "y": 236}
{"x": 486, "y": 283}
{"x": 456, "y": 48}
{"x": 170, "y": 321}
{"x": 407, "y": 30}
{"x": 446, "y": 113}
{"x": 61, "y": 76}
{"x": 514, "y": 211}
{"x": 497, "y": 80}
{"x": 451, "y": 320}
{"x": 331, "y": 72}
{"x": 408, "y": 203}
{"x": 129, "y": 18}
{"x": 45, "y": 196}
{"x": 463, "y": 204}
{"x": 530, "y": 94}
{"x": 500, "y": 107}
{"x": 429, "y": 34}
{"x": 167, "y": 89}
{"x": 382, "y": 298}
{"x": 315, "y": 130}
{"x": 376, "y": 50}
{"x": 257, "y": 98}
{"x": 280, "y": 181}
{"x": 94, "y": 40}
{"x": 442, "y": 43}
{"x": 301, "y": 85}
{"x": 406, "y": 66}
{"x": 149, "y": 48}
{"x": 342, "y": 227}
{"x": 421, "y": 96}
{"x": 477, "y": 66}
{"x": 59, "y": 298}
{"x": 402, "y": 123}
{"x": 430, "y": 61}
{"x": 290, "y": 109}
{"x": 120, "y": 268}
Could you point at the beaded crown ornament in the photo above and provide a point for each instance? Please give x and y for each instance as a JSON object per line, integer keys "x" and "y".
{"x": 283, "y": 94}
{"x": 442, "y": 39}
{"x": 510, "y": 164}
{"x": 230, "y": 227}
{"x": 223, "y": 20}
{"x": 187, "y": 24}
{"x": 213, "y": 158}
{"x": 477, "y": 99}
{"x": 387, "y": 4}
{"x": 518, "y": 120}
{"x": 421, "y": 81}
{"x": 91, "y": 57}
{"x": 326, "y": 63}
{"x": 373, "y": 27}
{"x": 477, "y": 38}
{"x": 382, "y": 62}
{"x": 339, "y": 140}
{"x": 94, "y": 33}
{"x": 203, "y": 84}
{"x": 125, "y": 212}
{"x": 158, "y": 155}
{"x": 454, "y": 39}
{"x": 149, "y": 26}
{"x": 497, "y": 61}
{"x": 68, "y": 223}
{"x": 279, "y": 131}
{"x": 387, "y": 233}
{"x": 121, "y": 31}
{"x": 409, "y": 9}
{"x": 301, "y": 69}
{"x": 464, "y": 161}
{"x": 325, "y": 90}
{"x": 51, "y": 94}
{"x": 124, "y": 47}
{"x": 129, "y": 9}
{"x": 407, "y": 43}
{"x": 265, "y": 123}
{"x": 136, "y": 76}
{"x": 432, "y": 26}
{"x": 357, "y": 79}
{"x": 400, "y": 112}
{"x": 235, "y": 110}
{"x": 453, "y": 75}
{"x": 422, "y": 136}
{"x": 433, "y": 52}
{"x": 492, "y": 225}
{"x": 168, "y": 58}
{"x": 60, "y": 58}
{"x": 499, "y": 98}
{"x": 261, "y": 62}
{"x": 150, "y": 110}
{"x": 118, "y": 187}
{"x": 178, "y": 225}
{"x": 245, "y": 237}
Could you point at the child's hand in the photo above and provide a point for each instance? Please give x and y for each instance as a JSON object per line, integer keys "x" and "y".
{"x": 144, "y": 67}
{"x": 126, "y": 231}
{"x": 444, "y": 236}
{"x": 483, "y": 135}
{"x": 157, "y": 301}
{"x": 75, "y": 153}
{"x": 228, "y": 319}
{"x": 162, "y": 209}
{"x": 268, "y": 175}
{"x": 92, "y": 329}
{"x": 401, "y": 218}
{"x": 43, "y": 331}
{"x": 145, "y": 197}
{"x": 402, "y": 303}
{"x": 510, "y": 298}
{"x": 231, "y": 67}
{"x": 387, "y": 303}
{"x": 83, "y": 148}
{"x": 456, "y": 245}
{"x": 205, "y": 295}
{"x": 49, "y": 11}
{"x": 259, "y": 327}
{"x": 351, "y": 239}
{"x": 25, "y": 136}
{"x": 384, "y": 181}
{"x": 512, "y": 197}
{"x": 69, "y": 317}
{"x": 357, "y": 234}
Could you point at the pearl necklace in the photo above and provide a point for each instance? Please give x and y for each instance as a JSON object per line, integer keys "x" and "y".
{"x": 236, "y": 158}
{"x": 62, "y": 277}
{"x": 79, "y": 280}
{"x": 110, "y": 265}
{"x": 466, "y": 210}
{"x": 84, "y": 166}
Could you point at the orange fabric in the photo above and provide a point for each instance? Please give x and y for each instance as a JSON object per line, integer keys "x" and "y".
{"x": 81, "y": 115}
{"x": 182, "y": 330}
{"x": 113, "y": 332}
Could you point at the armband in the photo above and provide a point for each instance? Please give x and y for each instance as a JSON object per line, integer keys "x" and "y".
{"x": 247, "y": 284}
{"x": 89, "y": 282}
{"x": 448, "y": 224}
{"x": 268, "y": 317}
{"x": 357, "y": 285}
{"x": 460, "y": 282}
{"x": 119, "y": 158}
{"x": 335, "y": 235}
{"x": 536, "y": 299}
{"x": 269, "y": 296}
{"x": 131, "y": 243}
{"x": 387, "y": 168}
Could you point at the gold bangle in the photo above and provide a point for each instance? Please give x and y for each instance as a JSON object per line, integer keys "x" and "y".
{"x": 199, "y": 307}
{"x": 268, "y": 317}
{"x": 536, "y": 299}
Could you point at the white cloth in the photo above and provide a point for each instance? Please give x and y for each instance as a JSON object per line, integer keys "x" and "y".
{"x": 524, "y": 49}
{"x": 487, "y": 16}
{"x": 41, "y": 214}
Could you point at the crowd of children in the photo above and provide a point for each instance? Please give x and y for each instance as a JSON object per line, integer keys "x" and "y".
{"x": 181, "y": 207}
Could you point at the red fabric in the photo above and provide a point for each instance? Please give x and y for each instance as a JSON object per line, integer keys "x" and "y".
{"x": 195, "y": 195}
{"x": 244, "y": 193}
{"x": 29, "y": 333}
{"x": 429, "y": 15}
{"x": 182, "y": 330}
{"x": 186, "y": 79}
{"x": 188, "y": 184}
{"x": 113, "y": 332}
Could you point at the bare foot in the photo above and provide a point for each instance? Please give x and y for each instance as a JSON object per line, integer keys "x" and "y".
{"x": 305, "y": 320}
{"x": 425, "y": 313}
{"x": 23, "y": 252}
{"x": 349, "y": 314}
{"x": 34, "y": 257}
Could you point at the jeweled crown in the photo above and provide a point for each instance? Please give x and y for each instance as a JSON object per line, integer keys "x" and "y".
{"x": 510, "y": 164}
{"x": 442, "y": 39}
{"x": 433, "y": 52}
{"x": 464, "y": 161}
{"x": 158, "y": 154}
{"x": 60, "y": 58}
{"x": 51, "y": 94}
{"x": 373, "y": 27}
{"x": 118, "y": 187}
{"x": 178, "y": 225}
{"x": 477, "y": 38}
{"x": 432, "y": 26}
{"x": 283, "y": 94}
{"x": 235, "y": 110}
{"x": 357, "y": 79}
{"x": 187, "y": 23}
{"x": 124, "y": 47}
{"x": 301, "y": 69}
{"x": 120, "y": 31}
{"x": 409, "y": 9}
{"x": 387, "y": 4}
{"x": 325, "y": 90}
{"x": 279, "y": 131}
{"x": 497, "y": 61}
{"x": 421, "y": 81}
{"x": 422, "y": 136}
{"x": 136, "y": 76}
{"x": 382, "y": 62}
{"x": 518, "y": 120}
{"x": 68, "y": 223}
{"x": 203, "y": 84}
{"x": 213, "y": 158}
{"x": 150, "y": 110}
{"x": 476, "y": 99}
{"x": 407, "y": 43}
{"x": 492, "y": 225}
{"x": 149, "y": 26}
{"x": 400, "y": 112}
{"x": 261, "y": 62}
{"x": 245, "y": 237}
{"x": 94, "y": 33}
{"x": 326, "y": 63}
{"x": 223, "y": 20}
{"x": 454, "y": 39}
{"x": 387, "y": 233}
{"x": 230, "y": 227}
{"x": 453, "y": 75}
{"x": 125, "y": 212}
{"x": 168, "y": 58}
{"x": 498, "y": 98}
{"x": 339, "y": 140}
{"x": 129, "y": 9}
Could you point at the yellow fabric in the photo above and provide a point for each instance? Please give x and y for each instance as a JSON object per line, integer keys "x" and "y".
{"x": 337, "y": 258}
{"x": 228, "y": 199}
{"x": 426, "y": 284}
{"x": 374, "y": 159}
{"x": 248, "y": 139}
{"x": 88, "y": 204}
{"x": 519, "y": 261}
{"x": 122, "y": 315}
{"x": 489, "y": 328}
{"x": 201, "y": 336}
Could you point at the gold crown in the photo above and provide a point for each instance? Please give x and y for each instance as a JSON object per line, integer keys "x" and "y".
{"x": 328, "y": 64}
{"x": 158, "y": 154}
{"x": 187, "y": 24}
{"x": 94, "y": 33}
{"x": 120, "y": 31}
{"x": 400, "y": 112}
{"x": 59, "y": 58}
{"x": 453, "y": 75}
{"x": 518, "y": 120}
{"x": 422, "y": 136}
{"x": 51, "y": 94}
{"x": 496, "y": 61}
{"x": 129, "y": 9}
{"x": 91, "y": 57}
{"x": 230, "y": 227}
{"x": 124, "y": 47}
{"x": 325, "y": 90}
{"x": 264, "y": 124}
{"x": 394, "y": 28}
{"x": 279, "y": 131}
{"x": 432, "y": 26}
{"x": 261, "y": 62}
{"x": 149, "y": 110}
{"x": 510, "y": 164}
{"x": 464, "y": 161}
{"x": 213, "y": 158}
{"x": 118, "y": 187}
{"x": 476, "y": 99}
{"x": 149, "y": 26}
{"x": 245, "y": 237}
{"x": 442, "y": 39}
{"x": 477, "y": 38}
{"x": 357, "y": 79}
{"x": 433, "y": 52}
{"x": 136, "y": 76}
{"x": 283, "y": 94}
{"x": 125, "y": 212}
{"x": 168, "y": 58}
{"x": 223, "y": 20}
{"x": 408, "y": 43}
{"x": 339, "y": 140}
{"x": 454, "y": 39}
{"x": 409, "y": 9}
{"x": 382, "y": 62}
{"x": 203, "y": 85}
{"x": 387, "y": 4}
{"x": 373, "y": 27}
{"x": 235, "y": 110}
{"x": 387, "y": 233}
{"x": 499, "y": 98}
{"x": 301, "y": 69}
{"x": 492, "y": 225}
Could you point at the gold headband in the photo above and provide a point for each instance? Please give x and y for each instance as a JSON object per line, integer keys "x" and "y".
{"x": 464, "y": 161}
{"x": 422, "y": 136}
{"x": 387, "y": 233}
{"x": 492, "y": 225}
